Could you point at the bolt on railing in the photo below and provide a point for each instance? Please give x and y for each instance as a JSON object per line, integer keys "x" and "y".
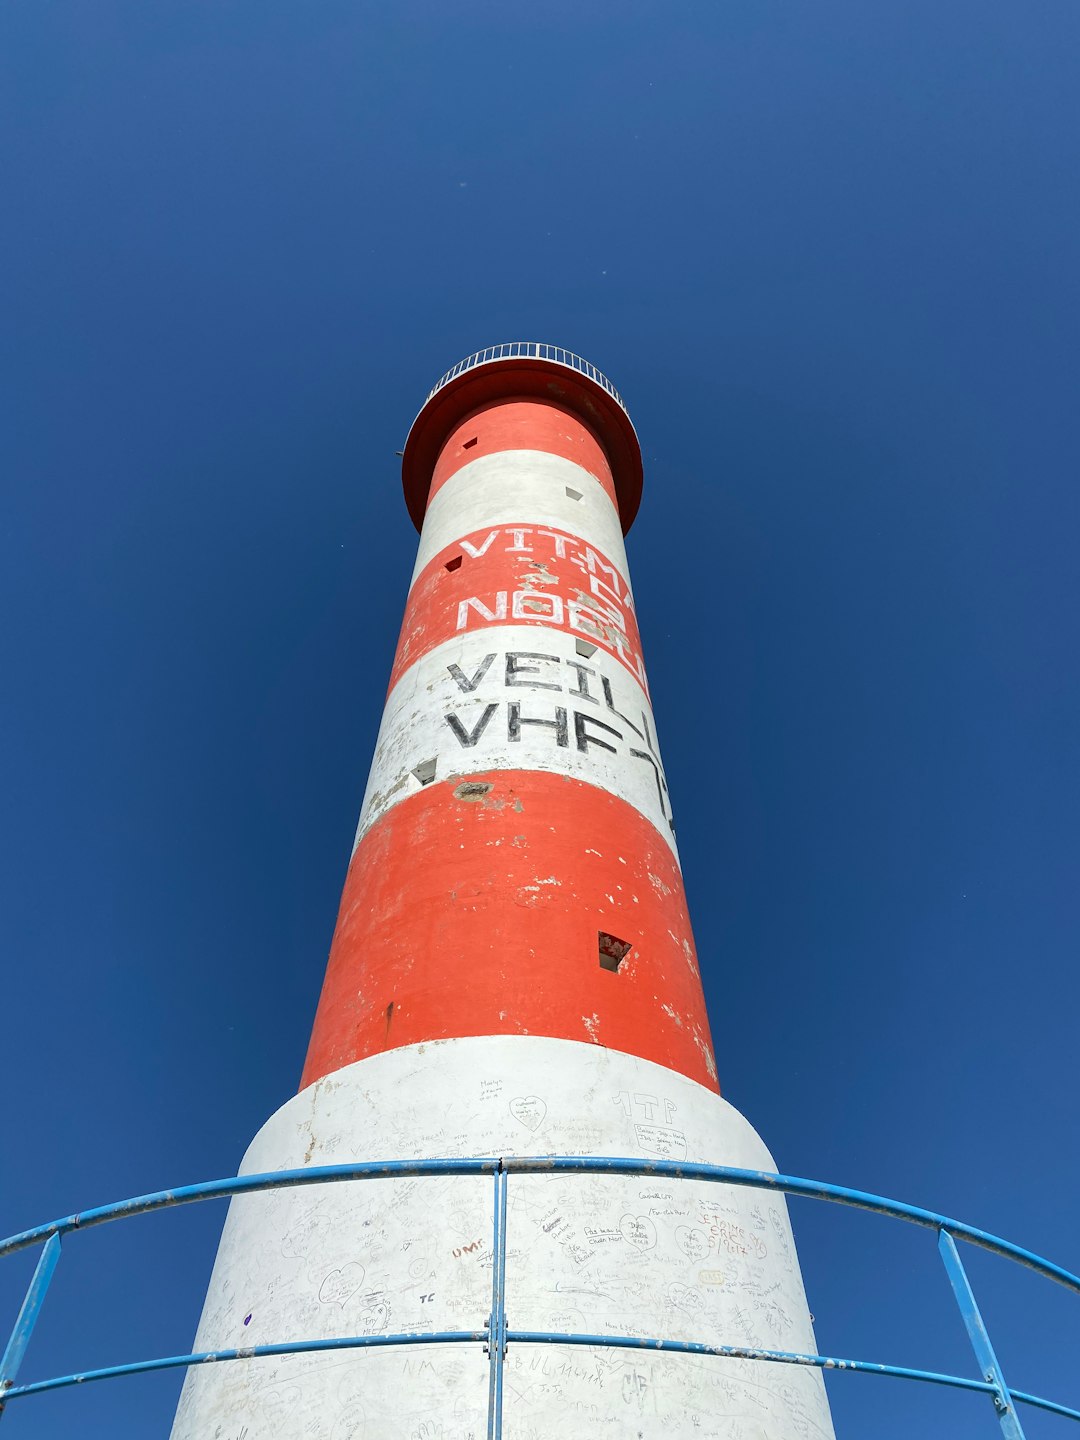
{"x": 495, "y": 1335}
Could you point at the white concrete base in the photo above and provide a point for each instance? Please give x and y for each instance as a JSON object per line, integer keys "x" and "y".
{"x": 672, "y": 1259}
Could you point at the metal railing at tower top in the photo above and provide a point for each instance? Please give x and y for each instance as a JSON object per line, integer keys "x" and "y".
{"x": 492, "y": 1331}
{"x": 530, "y": 350}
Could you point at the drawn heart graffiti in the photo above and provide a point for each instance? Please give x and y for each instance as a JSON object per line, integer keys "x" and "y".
{"x": 639, "y": 1230}
{"x": 340, "y": 1285}
{"x": 528, "y": 1110}
{"x": 686, "y": 1299}
{"x": 278, "y": 1405}
{"x": 693, "y": 1243}
{"x": 351, "y": 1424}
{"x": 374, "y": 1317}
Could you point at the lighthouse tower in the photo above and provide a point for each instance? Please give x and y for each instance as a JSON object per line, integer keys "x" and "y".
{"x": 513, "y": 973}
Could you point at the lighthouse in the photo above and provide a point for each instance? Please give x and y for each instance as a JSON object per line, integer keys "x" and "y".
{"x": 513, "y": 973}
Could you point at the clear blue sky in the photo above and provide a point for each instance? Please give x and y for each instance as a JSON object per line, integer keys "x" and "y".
{"x": 828, "y": 252}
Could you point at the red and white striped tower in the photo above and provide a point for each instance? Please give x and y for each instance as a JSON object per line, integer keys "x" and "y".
{"x": 513, "y": 972}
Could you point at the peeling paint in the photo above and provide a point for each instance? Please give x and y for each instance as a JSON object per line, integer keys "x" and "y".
{"x": 473, "y": 790}
{"x": 538, "y": 574}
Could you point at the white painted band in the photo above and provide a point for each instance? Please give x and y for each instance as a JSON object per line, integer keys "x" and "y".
{"x": 518, "y": 697}
{"x": 521, "y": 487}
{"x": 671, "y": 1259}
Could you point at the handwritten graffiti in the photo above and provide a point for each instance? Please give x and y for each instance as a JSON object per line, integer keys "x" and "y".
{"x": 565, "y": 724}
{"x": 557, "y": 579}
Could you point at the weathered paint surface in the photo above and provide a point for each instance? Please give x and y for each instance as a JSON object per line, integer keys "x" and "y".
{"x": 522, "y": 574}
{"x": 600, "y": 1254}
{"x": 513, "y": 973}
{"x": 474, "y": 908}
{"x": 521, "y": 487}
{"x": 511, "y": 697}
{"x": 522, "y": 424}
{"x": 515, "y": 869}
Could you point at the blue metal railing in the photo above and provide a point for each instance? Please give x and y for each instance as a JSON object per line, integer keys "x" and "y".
{"x": 495, "y": 1334}
{"x": 530, "y": 350}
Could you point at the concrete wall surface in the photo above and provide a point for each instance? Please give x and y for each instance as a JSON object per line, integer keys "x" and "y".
{"x": 672, "y": 1259}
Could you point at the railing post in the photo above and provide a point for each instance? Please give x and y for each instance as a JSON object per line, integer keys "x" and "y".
{"x": 979, "y": 1337}
{"x": 501, "y": 1356}
{"x": 28, "y": 1314}
{"x": 496, "y": 1326}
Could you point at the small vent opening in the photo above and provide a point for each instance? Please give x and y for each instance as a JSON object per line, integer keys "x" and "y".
{"x": 572, "y": 494}
{"x": 454, "y": 564}
{"x": 613, "y": 951}
{"x": 425, "y": 772}
{"x": 468, "y": 444}
{"x": 585, "y": 649}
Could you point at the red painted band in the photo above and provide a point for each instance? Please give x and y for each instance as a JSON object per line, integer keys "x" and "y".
{"x": 478, "y": 907}
{"x": 514, "y": 575}
{"x": 522, "y": 425}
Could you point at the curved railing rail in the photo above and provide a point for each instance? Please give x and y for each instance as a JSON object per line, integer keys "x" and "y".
{"x": 530, "y": 350}
{"x": 495, "y": 1334}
